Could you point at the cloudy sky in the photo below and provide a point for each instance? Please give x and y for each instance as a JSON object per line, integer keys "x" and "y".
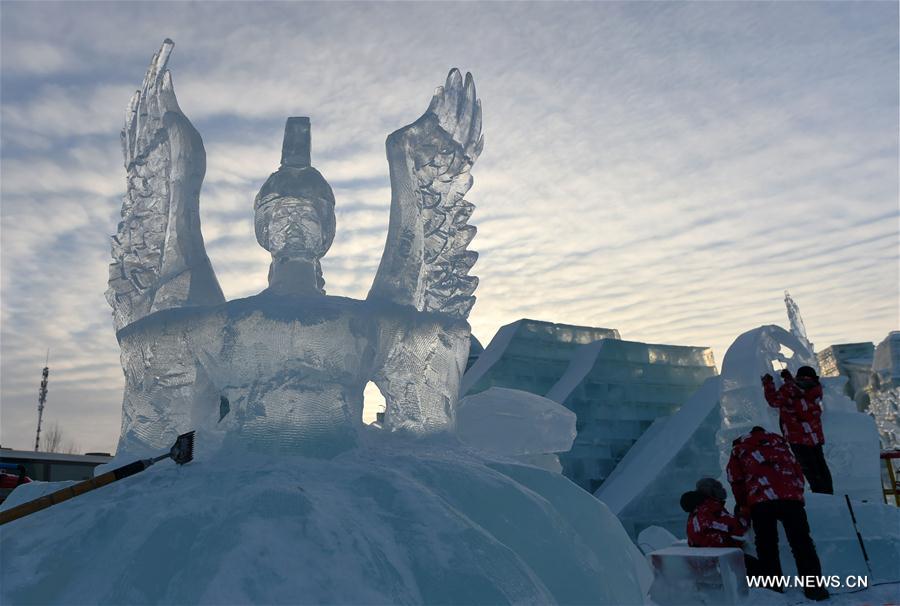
{"x": 664, "y": 169}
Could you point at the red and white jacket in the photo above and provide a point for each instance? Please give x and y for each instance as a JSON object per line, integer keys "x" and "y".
{"x": 710, "y": 525}
{"x": 763, "y": 468}
{"x": 799, "y": 411}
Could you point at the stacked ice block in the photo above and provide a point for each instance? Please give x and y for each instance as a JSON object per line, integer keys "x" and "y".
{"x": 618, "y": 389}
{"x": 529, "y": 355}
{"x": 667, "y": 460}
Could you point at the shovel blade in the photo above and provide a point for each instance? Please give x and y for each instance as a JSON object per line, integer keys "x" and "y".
{"x": 183, "y": 450}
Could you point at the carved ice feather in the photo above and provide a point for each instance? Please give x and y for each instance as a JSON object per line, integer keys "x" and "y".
{"x": 425, "y": 261}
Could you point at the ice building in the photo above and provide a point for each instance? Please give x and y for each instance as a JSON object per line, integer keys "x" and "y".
{"x": 852, "y": 361}
{"x": 617, "y": 389}
{"x": 530, "y": 355}
{"x": 884, "y": 390}
{"x": 644, "y": 488}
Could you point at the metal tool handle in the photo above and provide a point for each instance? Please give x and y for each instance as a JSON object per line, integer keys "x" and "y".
{"x": 64, "y": 494}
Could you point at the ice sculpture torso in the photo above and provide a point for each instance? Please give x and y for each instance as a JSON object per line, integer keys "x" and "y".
{"x": 288, "y": 373}
{"x": 286, "y": 369}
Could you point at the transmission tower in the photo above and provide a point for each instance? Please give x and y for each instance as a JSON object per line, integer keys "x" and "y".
{"x": 42, "y": 399}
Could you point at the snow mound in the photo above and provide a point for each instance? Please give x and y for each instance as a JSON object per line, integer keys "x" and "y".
{"x": 398, "y": 523}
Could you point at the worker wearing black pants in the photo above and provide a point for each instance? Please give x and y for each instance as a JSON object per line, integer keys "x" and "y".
{"x": 767, "y": 483}
{"x": 815, "y": 469}
{"x": 792, "y": 515}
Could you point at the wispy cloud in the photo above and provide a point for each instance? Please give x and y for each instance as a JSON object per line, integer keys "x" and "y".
{"x": 664, "y": 169}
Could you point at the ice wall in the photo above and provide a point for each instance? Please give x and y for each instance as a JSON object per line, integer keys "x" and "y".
{"x": 644, "y": 488}
{"x": 834, "y": 533}
{"x": 618, "y": 388}
{"x": 529, "y": 355}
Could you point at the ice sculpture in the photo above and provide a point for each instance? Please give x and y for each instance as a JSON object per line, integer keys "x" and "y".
{"x": 798, "y": 329}
{"x": 884, "y": 390}
{"x": 850, "y": 443}
{"x": 286, "y": 369}
{"x": 695, "y": 441}
{"x": 767, "y": 349}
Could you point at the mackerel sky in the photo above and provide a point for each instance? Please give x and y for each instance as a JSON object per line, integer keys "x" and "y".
{"x": 664, "y": 169}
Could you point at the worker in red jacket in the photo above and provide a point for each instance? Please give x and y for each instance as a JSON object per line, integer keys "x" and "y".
{"x": 767, "y": 482}
{"x": 710, "y": 524}
{"x": 799, "y": 403}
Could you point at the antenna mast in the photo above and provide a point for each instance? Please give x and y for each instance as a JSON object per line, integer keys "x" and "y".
{"x": 42, "y": 399}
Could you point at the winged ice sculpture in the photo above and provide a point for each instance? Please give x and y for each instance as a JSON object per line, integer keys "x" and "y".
{"x": 286, "y": 369}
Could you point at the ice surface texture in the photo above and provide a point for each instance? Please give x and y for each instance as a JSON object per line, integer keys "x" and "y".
{"x": 285, "y": 370}
{"x": 382, "y": 526}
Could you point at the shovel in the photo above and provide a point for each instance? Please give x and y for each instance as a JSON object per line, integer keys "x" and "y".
{"x": 181, "y": 452}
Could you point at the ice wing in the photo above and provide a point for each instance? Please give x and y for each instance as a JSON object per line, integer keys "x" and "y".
{"x": 159, "y": 261}
{"x": 425, "y": 262}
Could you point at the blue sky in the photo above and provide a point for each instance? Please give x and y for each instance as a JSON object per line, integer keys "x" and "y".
{"x": 665, "y": 169}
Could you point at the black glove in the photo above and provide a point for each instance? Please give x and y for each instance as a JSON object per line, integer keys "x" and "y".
{"x": 766, "y": 378}
{"x": 786, "y": 374}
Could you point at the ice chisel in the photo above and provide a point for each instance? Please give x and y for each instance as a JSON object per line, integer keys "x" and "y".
{"x": 181, "y": 452}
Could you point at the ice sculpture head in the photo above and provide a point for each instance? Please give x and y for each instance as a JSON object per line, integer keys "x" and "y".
{"x": 295, "y": 206}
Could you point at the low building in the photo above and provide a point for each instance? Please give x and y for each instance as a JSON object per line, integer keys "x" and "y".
{"x": 54, "y": 466}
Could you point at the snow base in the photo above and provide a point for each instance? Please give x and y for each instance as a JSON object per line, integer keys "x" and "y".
{"x": 398, "y": 523}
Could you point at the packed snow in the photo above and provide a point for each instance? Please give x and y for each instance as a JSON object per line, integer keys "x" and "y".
{"x": 395, "y": 523}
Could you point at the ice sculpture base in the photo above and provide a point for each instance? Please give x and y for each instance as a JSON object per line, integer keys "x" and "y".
{"x": 394, "y": 524}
